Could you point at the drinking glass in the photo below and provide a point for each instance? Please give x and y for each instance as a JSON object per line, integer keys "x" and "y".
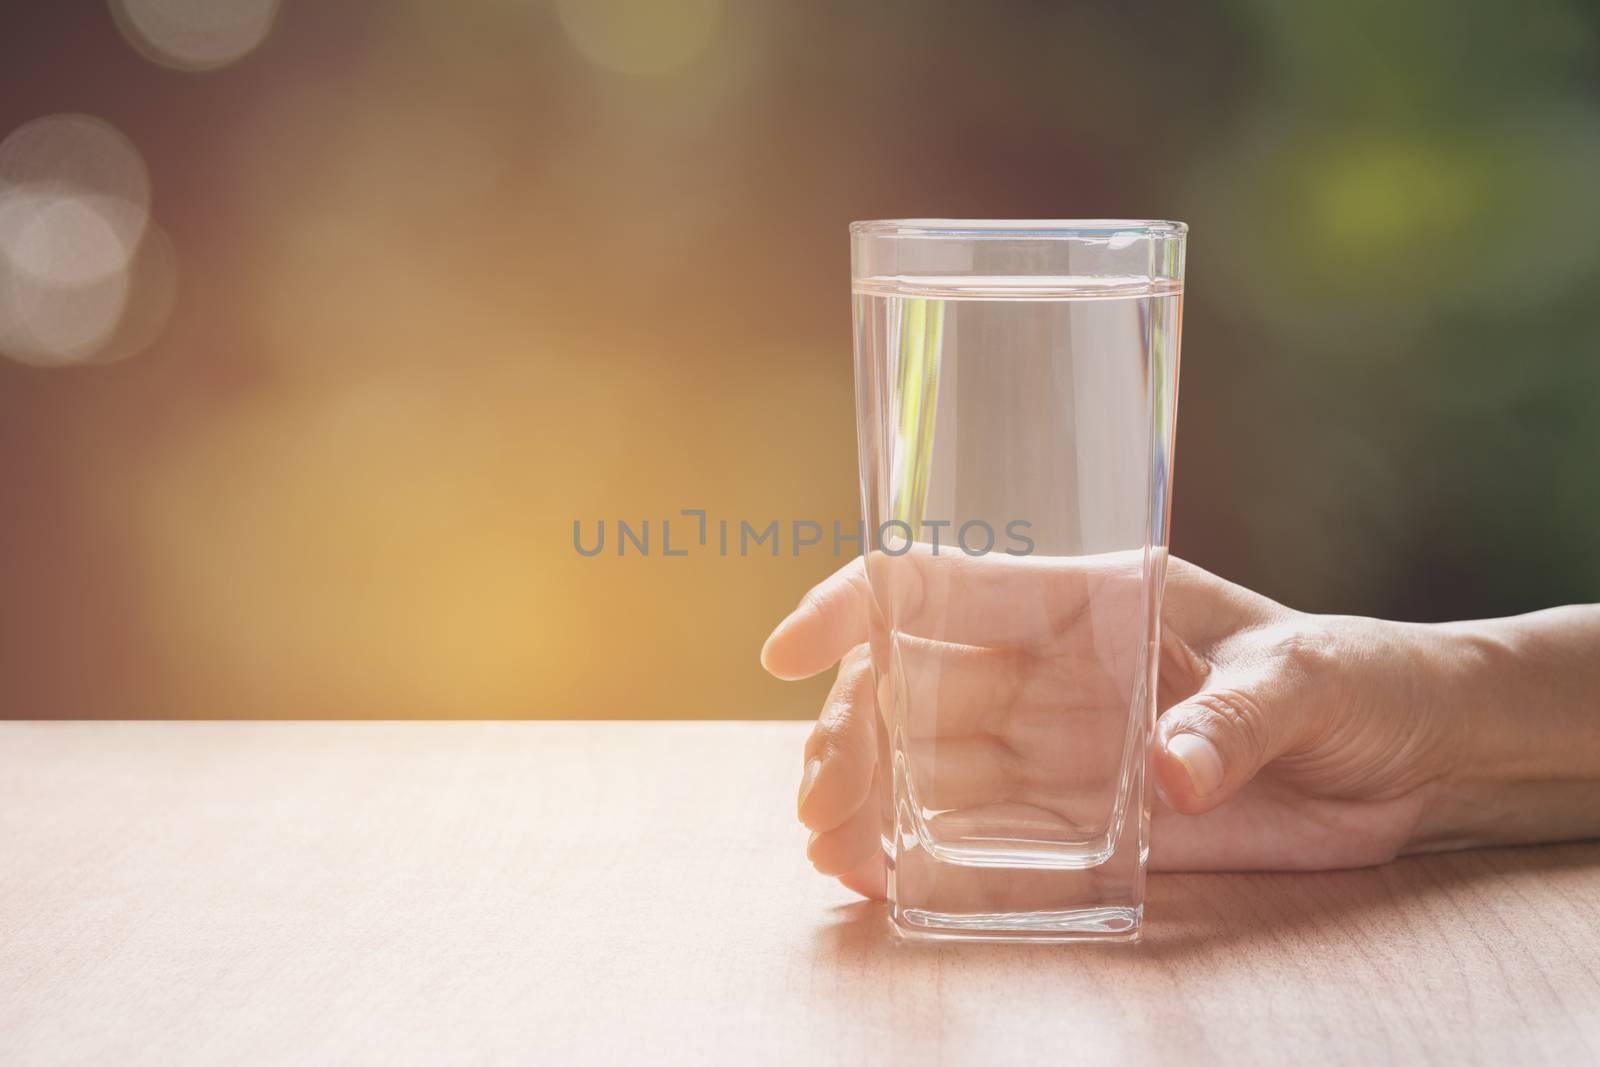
{"x": 1016, "y": 398}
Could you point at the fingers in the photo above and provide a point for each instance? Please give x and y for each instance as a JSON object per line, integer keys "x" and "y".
{"x": 871, "y": 879}
{"x": 848, "y": 846}
{"x": 954, "y": 690}
{"x": 1211, "y": 745}
{"x": 831, "y": 619}
{"x": 841, "y": 753}
{"x": 840, "y": 777}
{"x": 995, "y": 599}
{"x": 949, "y": 597}
{"x": 837, "y": 786}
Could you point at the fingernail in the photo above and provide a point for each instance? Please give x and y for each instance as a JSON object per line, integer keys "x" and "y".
{"x": 808, "y": 781}
{"x": 1200, "y": 759}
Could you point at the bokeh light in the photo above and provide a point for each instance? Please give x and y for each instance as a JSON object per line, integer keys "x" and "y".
{"x": 1373, "y": 199}
{"x": 86, "y": 157}
{"x": 195, "y": 34}
{"x": 74, "y": 215}
{"x": 49, "y": 324}
{"x": 454, "y": 275}
{"x": 640, "y": 37}
{"x": 60, "y": 239}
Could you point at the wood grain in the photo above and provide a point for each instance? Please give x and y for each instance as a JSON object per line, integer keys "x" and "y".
{"x": 609, "y": 892}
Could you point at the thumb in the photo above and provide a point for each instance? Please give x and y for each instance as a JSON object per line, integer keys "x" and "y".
{"x": 1209, "y": 746}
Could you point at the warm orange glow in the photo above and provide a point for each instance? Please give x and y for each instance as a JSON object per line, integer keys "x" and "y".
{"x": 411, "y": 286}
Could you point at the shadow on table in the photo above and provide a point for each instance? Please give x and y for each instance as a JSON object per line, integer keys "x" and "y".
{"x": 1194, "y": 915}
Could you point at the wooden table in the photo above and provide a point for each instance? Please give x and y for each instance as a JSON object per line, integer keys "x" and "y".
{"x": 616, "y": 892}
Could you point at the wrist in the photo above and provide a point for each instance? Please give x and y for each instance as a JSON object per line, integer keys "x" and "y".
{"x": 1453, "y": 677}
{"x": 1515, "y": 764}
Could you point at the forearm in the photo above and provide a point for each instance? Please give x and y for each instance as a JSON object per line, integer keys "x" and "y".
{"x": 1517, "y": 702}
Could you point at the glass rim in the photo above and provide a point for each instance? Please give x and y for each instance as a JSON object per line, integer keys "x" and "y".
{"x": 1018, "y": 229}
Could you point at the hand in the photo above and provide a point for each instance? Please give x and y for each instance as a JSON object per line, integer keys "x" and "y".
{"x": 1289, "y": 741}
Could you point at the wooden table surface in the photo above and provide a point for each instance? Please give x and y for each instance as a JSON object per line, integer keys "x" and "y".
{"x": 616, "y": 892}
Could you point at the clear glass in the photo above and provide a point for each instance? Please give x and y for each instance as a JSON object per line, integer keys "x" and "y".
{"x": 1016, "y": 392}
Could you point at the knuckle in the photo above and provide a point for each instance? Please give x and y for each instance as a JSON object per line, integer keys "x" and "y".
{"x": 1236, "y": 717}
{"x": 818, "y": 600}
{"x": 829, "y": 735}
{"x": 1302, "y": 652}
{"x": 834, "y": 730}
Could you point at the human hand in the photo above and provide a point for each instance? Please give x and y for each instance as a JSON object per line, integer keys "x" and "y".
{"x": 1287, "y": 741}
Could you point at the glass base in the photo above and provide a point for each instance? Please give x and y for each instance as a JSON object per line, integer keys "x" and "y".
{"x": 1080, "y": 924}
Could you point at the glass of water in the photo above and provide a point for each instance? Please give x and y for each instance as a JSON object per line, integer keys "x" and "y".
{"x": 1016, "y": 398}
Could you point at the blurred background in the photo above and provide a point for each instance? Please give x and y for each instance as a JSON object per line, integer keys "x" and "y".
{"x": 324, "y": 322}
